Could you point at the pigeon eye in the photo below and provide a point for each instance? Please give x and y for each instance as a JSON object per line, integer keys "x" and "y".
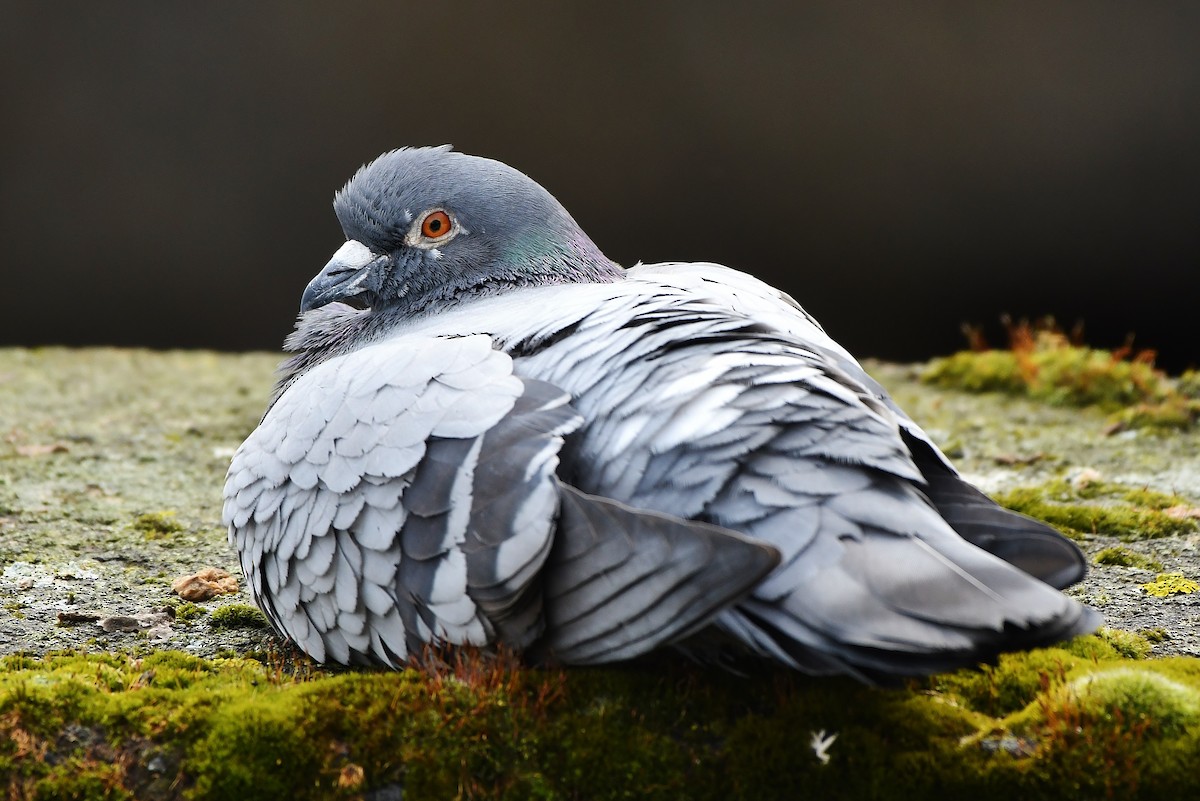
{"x": 436, "y": 224}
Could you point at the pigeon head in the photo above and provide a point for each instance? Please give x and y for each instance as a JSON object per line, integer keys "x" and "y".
{"x": 427, "y": 227}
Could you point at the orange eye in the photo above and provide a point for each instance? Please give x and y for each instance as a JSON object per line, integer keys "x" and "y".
{"x": 436, "y": 224}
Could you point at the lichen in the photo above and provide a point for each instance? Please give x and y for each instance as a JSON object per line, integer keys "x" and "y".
{"x": 1167, "y": 584}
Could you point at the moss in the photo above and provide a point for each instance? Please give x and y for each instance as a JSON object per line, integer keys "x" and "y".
{"x": 157, "y": 524}
{"x": 1113, "y": 730}
{"x": 238, "y": 616}
{"x": 1129, "y": 513}
{"x": 1010, "y": 684}
{"x": 81, "y": 780}
{"x": 483, "y": 727}
{"x": 1173, "y": 413}
{"x": 256, "y": 750}
{"x": 1188, "y": 384}
{"x": 1137, "y": 496}
{"x": 1046, "y": 365}
{"x": 1124, "y": 557}
{"x": 1170, "y": 584}
{"x": 186, "y": 612}
{"x": 1059, "y": 375}
{"x": 1169, "y": 705}
{"x": 1117, "y": 644}
{"x": 986, "y": 371}
{"x": 1076, "y": 520}
{"x": 1155, "y": 635}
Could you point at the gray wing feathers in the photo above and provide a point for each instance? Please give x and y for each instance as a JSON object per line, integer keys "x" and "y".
{"x": 789, "y": 447}
{"x": 887, "y": 588}
{"x": 509, "y": 537}
{"x": 426, "y": 506}
{"x": 622, "y": 581}
{"x": 1034, "y": 547}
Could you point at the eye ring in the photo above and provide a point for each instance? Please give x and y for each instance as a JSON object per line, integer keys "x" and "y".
{"x": 436, "y": 224}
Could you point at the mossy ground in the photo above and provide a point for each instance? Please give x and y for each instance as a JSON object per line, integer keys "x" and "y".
{"x": 1043, "y": 363}
{"x": 1065, "y": 722}
{"x": 111, "y": 464}
{"x": 1079, "y": 509}
{"x": 1118, "y": 555}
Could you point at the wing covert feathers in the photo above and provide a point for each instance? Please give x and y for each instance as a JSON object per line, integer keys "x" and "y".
{"x": 622, "y": 581}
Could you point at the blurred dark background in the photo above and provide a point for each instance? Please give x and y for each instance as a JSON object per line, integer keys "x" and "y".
{"x": 899, "y": 168}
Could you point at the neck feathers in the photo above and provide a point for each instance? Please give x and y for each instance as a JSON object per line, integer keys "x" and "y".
{"x": 320, "y": 335}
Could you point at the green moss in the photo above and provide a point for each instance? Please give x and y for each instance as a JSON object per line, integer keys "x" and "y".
{"x": 1076, "y": 520}
{"x": 157, "y": 524}
{"x": 1115, "y": 644}
{"x": 1173, "y": 413}
{"x": 1188, "y": 384}
{"x": 1098, "y": 731}
{"x": 1155, "y": 635}
{"x": 1124, "y": 557}
{"x": 1170, "y": 584}
{"x": 257, "y": 750}
{"x": 1058, "y": 374}
{"x": 1009, "y": 685}
{"x": 984, "y": 371}
{"x": 1129, "y": 513}
{"x": 238, "y": 616}
{"x": 81, "y": 780}
{"x": 487, "y": 728}
{"x": 186, "y": 612}
{"x": 1169, "y": 705}
{"x": 1137, "y": 496}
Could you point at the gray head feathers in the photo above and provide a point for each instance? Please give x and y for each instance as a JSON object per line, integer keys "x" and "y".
{"x": 506, "y": 228}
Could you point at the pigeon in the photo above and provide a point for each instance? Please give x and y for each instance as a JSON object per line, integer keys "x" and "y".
{"x": 489, "y": 434}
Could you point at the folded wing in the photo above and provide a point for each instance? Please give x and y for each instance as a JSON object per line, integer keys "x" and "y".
{"x": 406, "y": 493}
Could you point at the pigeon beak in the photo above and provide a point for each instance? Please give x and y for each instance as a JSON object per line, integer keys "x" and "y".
{"x": 353, "y": 272}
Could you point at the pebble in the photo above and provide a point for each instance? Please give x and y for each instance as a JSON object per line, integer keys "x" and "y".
{"x": 204, "y": 584}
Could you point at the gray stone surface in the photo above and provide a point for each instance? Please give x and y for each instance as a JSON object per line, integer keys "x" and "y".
{"x": 93, "y": 440}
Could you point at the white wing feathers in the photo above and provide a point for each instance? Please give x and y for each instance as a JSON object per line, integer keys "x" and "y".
{"x": 350, "y": 529}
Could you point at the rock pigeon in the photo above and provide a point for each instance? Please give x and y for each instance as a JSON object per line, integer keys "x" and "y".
{"x": 490, "y": 434}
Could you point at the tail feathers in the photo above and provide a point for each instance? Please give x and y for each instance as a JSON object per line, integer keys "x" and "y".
{"x": 1031, "y": 545}
{"x": 899, "y": 605}
{"x": 1023, "y": 542}
{"x": 826, "y": 657}
{"x": 622, "y": 581}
